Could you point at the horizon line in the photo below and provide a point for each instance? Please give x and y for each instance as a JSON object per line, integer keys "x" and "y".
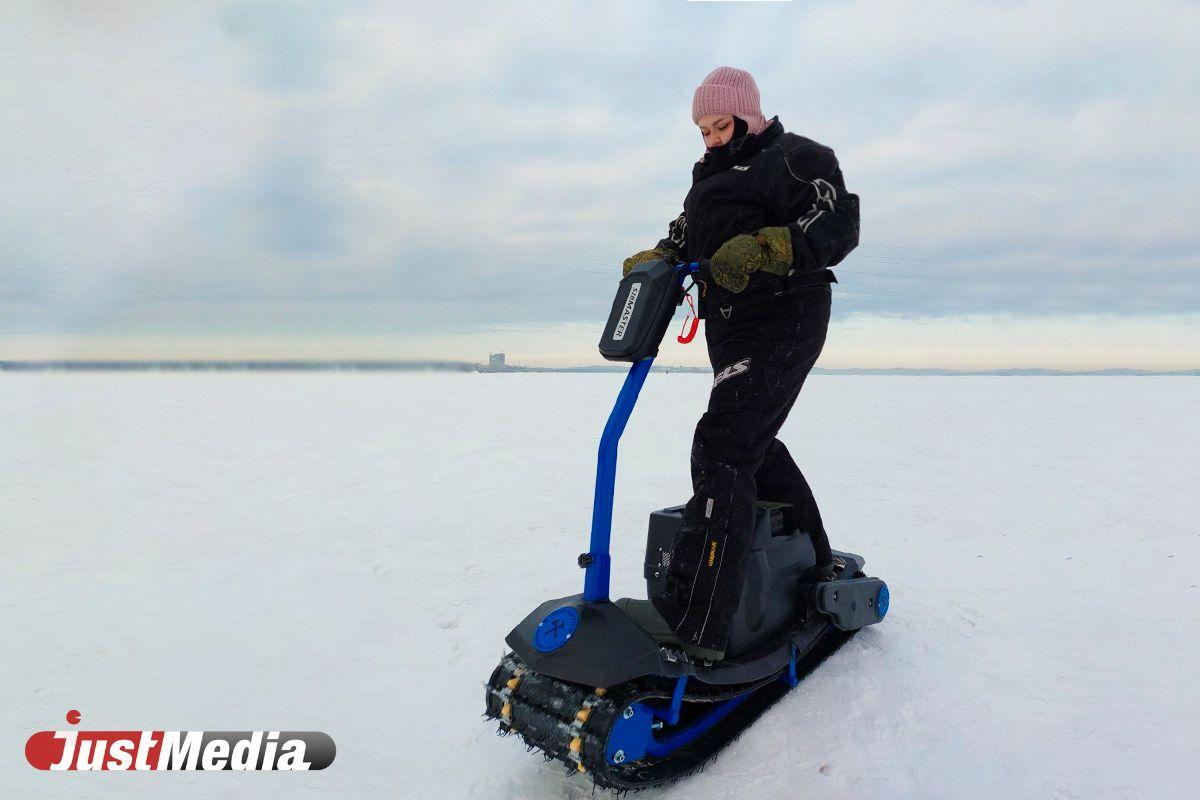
{"x": 412, "y": 365}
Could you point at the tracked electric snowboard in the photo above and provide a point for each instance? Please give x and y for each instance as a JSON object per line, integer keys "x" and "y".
{"x": 608, "y": 688}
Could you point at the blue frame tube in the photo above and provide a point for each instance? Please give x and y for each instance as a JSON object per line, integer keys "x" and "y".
{"x": 672, "y": 717}
{"x": 657, "y": 749}
{"x": 595, "y": 579}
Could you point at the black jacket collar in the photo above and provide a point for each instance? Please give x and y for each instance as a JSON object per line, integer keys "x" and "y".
{"x": 739, "y": 150}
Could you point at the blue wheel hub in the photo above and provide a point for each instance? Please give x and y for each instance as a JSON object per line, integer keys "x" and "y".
{"x": 881, "y": 601}
{"x": 555, "y": 629}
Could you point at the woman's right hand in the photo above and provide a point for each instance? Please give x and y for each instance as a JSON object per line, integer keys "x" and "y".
{"x": 642, "y": 256}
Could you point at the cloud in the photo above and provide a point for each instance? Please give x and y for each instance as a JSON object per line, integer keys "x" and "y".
{"x": 457, "y": 162}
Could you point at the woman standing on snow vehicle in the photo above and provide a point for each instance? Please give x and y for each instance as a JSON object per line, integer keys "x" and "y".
{"x": 771, "y": 212}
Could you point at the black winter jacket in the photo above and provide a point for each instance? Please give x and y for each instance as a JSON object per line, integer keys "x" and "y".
{"x": 772, "y": 179}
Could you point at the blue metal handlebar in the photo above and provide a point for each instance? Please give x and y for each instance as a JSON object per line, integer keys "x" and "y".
{"x": 597, "y": 561}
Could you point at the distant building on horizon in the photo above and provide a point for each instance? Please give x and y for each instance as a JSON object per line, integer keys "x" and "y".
{"x": 496, "y": 361}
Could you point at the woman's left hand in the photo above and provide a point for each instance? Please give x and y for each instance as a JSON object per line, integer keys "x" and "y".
{"x": 769, "y": 250}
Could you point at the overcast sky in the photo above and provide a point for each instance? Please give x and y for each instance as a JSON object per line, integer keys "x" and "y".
{"x": 435, "y": 180}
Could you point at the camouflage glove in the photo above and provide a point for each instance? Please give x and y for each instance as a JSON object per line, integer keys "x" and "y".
{"x": 769, "y": 250}
{"x": 656, "y": 254}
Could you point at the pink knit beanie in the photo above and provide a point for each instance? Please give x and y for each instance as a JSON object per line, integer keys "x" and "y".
{"x": 729, "y": 90}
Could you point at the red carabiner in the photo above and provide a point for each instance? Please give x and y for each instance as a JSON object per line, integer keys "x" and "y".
{"x": 686, "y": 334}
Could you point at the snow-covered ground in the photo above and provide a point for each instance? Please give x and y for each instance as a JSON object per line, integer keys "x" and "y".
{"x": 345, "y": 552}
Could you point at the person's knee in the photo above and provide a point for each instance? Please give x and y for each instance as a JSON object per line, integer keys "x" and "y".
{"x": 736, "y": 438}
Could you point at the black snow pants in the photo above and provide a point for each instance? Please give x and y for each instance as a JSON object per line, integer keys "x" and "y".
{"x": 760, "y": 356}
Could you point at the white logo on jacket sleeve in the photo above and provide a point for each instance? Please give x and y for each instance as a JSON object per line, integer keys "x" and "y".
{"x": 731, "y": 371}
{"x": 826, "y": 194}
{"x": 677, "y": 231}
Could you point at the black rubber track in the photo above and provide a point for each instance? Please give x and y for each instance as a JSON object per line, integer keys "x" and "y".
{"x": 543, "y": 709}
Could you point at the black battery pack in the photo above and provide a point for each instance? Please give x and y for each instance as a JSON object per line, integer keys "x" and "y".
{"x": 641, "y": 311}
